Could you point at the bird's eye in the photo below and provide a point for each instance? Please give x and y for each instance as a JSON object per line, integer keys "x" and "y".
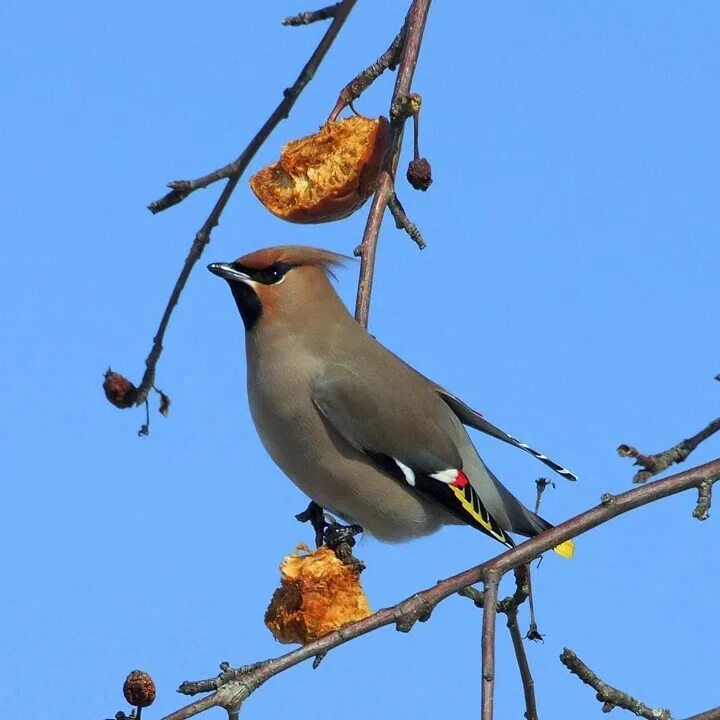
{"x": 273, "y": 274}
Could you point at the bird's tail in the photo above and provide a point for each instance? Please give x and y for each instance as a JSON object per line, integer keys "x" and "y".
{"x": 515, "y": 517}
{"x": 476, "y": 420}
{"x": 565, "y": 549}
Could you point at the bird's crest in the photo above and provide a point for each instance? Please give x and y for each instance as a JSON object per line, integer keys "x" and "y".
{"x": 294, "y": 255}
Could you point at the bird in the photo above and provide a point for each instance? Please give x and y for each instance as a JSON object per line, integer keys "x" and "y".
{"x": 359, "y": 431}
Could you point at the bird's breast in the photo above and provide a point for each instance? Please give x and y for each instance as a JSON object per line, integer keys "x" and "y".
{"x": 338, "y": 477}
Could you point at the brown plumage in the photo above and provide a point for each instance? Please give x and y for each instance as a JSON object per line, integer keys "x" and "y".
{"x": 357, "y": 429}
{"x": 295, "y": 255}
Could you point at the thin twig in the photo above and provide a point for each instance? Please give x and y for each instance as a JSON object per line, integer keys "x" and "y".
{"x": 610, "y": 696}
{"x": 509, "y": 606}
{"x": 364, "y": 79}
{"x": 654, "y": 464}
{"x": 311, "y": 16}
{"x": 414, "y": 29}
{"x": 533, "y": 633}
{"x": 702, "y": 508}
{"x": 487, "y": 689}
{"x": 402, "y": 222}
{"x": 233, "y": 686}
{"x": 202, "y": 238}
{"x": 471, "y": 593}
{"x": 526, "y": 677}
{"x": 540, "y": 486}
{"x": 180, "y": 189}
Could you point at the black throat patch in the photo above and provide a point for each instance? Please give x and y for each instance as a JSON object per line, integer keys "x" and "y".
{"x": 248, "y": 303}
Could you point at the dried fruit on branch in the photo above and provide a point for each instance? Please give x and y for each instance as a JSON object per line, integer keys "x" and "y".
{"x": 319, "y": 594}
{"x": 326, "y": 176}
{"x": 419, "y": 174}
{"x": 139, "y": 689}
{"x": 119, "y": 390}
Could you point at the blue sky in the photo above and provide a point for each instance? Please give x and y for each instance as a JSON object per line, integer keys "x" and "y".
{"x": 568, "y": 292}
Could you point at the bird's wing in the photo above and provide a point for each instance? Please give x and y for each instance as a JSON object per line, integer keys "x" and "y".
{"x": 403, "y": 440}
{"x": 474, "y": 419}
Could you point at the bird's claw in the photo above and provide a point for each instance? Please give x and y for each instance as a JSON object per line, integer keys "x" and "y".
{"x": 330, "y": 533}
{"x": 341, "y": 540}
{"x": 336, "y": 534}
{"x": 315, "y": 515}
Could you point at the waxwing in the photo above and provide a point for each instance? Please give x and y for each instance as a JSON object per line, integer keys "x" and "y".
{"x": 359, "y": 431}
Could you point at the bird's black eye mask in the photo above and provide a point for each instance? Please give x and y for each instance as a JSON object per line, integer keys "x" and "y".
{"x": 268, "y": 275}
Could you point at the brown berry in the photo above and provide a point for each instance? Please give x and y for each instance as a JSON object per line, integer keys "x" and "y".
{"x": 139, "y": 689}
{"x": 419, "y": 174}
{"x": 119, "y": 390}
{"x": 326, "y": 176}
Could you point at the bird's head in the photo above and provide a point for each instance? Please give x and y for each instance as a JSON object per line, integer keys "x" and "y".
{"x": 280, "y": 282}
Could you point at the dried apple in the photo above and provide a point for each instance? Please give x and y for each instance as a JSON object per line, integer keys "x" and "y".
{"x": 325, "y": 176}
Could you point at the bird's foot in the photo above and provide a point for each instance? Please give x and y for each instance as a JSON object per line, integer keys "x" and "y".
{"x": 315, "y": 515}
{"x": 329, "y": 532}
{"x": 341, "y": 539}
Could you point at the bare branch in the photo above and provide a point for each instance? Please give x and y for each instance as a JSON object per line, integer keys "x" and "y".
{"x": 540, "y": 485}
{"x": 654, "y": 464}
{"x": 233, "y": 686}
{"x": 608, "y": 695}
{"x": 363, "y": 80}
{"x": 402, "y": 221}
{"x": 414, "y": 29}
{"x": 509, "y": 606}
{"x": 702, "y": 509}
{"x": 525, "y": 675}
{"x": 312, "y": 16}
{"x": 235, "y": 170}
{"x": 487, "y": 688}
{"x": 182, "y": 188}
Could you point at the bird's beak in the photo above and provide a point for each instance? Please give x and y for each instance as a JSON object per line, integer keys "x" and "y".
{"x": 227, "y": 272}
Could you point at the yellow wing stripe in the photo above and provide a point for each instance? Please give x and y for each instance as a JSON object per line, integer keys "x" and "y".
{"x": 481, "y": 516}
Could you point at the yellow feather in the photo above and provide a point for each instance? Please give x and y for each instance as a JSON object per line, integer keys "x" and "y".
{"x": 566, "y": 549}
{"x": 470, "y": 510}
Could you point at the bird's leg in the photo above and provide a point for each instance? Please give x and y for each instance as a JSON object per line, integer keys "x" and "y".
{"x": 315, "y": 515}
{"x": 341, "y": 539}
{"x": 329, "y": 532}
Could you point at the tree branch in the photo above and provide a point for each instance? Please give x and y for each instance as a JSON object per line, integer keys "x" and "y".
{"x": 509, "y": 606}
{"x": 234, "y": 685}
{"x": 234, "y": 172}
{"x": 402, "y": 222}
{"x": 413, "y": 34}
{"x": 312, "y": 16}
{"x": 487, "y": 687}
{"x": 655, "y": 464}
{"x": 609, "y": 696}
{"x": 713, "y": 714}
{"x": 363, "y": 80}
{"x": 526, "y": 677}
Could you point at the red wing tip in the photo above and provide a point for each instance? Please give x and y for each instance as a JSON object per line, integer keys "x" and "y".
{"x": 461, "y": 480}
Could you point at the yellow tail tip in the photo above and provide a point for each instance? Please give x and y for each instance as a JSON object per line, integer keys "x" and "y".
{"x": 566, "y": 549}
